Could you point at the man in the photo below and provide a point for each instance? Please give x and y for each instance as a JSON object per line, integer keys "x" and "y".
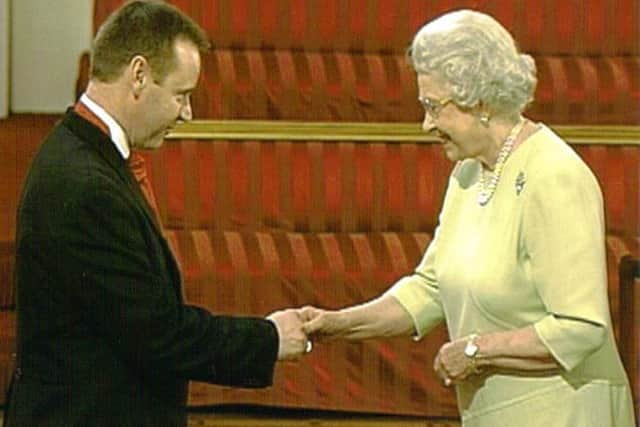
{"x": 104, "y": 338}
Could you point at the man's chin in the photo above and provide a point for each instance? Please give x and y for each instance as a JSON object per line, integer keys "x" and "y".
{"x": 157, "y": 142}
{"x": 151, "y": 143}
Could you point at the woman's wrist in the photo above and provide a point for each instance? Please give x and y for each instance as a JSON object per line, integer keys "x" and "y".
{"x": 518, "y": 349}
{"x": 483, "y": 355}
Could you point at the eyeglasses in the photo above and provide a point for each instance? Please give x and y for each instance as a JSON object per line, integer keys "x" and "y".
{"x": 433, "y": 107}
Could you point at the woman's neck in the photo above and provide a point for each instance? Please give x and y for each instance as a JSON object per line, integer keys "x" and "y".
{"x": 498, "y": 133}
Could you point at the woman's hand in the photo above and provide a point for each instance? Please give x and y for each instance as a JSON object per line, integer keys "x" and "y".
{"x": 451, "y": 364}
{"x": 519, "y": 350}
{"x": 380, "y": 318}
{"x": 320, "y": 325}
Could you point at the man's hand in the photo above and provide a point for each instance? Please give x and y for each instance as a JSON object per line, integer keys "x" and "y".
{"x": 293, "y": 341}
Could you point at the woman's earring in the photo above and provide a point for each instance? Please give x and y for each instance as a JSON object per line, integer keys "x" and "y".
{"x": 484, "y": 119}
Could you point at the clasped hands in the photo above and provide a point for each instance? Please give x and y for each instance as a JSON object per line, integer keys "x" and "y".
{"x": 298, "y": 328}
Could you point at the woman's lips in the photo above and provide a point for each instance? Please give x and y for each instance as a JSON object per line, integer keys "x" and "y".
{"x": 443, "y": 137}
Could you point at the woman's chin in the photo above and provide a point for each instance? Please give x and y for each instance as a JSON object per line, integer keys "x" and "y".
{"x": 451, "y": 151}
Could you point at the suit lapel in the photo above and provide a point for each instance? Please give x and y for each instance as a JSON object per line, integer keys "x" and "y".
{"x": 101, "y": 143}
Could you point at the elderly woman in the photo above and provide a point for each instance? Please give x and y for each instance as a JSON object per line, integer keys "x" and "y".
{"x": 516, "y": 267}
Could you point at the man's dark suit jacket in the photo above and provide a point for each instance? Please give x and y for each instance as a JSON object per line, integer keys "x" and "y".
{"x": 104, "y": 338}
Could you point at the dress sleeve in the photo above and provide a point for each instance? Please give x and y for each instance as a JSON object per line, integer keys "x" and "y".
{"x": 563, "y": 229}
{"x": 419, "y": 293}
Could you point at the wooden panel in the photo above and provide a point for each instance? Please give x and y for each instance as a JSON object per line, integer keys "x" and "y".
{"x": 365, "y": 132}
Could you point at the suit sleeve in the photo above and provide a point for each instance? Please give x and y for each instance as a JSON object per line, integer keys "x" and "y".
{"x": 138, "y": 310}
{"x": 564, "y": 241}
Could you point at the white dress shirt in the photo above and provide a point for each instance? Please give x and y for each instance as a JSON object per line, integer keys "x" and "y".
{"x": 118, "y": 137}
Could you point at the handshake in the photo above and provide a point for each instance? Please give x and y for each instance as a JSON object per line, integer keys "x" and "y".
{"x": 297, "y": 327}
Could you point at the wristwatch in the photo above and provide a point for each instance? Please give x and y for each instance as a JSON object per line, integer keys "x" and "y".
{"x": 471, "y": 351}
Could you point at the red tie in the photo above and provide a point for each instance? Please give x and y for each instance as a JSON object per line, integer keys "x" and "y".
{"x": 138, "y": 167}
{"x": 84, "y": 112}
{"x": 136, "y": 162}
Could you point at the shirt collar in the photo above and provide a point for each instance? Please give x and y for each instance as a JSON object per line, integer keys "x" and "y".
{"x": 118, "y": 136}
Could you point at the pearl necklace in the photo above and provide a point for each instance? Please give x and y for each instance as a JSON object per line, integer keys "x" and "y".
{"x": 487, "y": 189}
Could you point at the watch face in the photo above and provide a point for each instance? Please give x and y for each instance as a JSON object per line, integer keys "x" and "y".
{"x": 471, "y": 349}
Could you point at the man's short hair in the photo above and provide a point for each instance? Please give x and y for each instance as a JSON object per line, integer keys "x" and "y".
{"x": 142, "y": 27}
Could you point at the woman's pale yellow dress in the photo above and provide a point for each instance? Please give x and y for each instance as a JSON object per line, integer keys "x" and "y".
{"x": 534, "y": 255}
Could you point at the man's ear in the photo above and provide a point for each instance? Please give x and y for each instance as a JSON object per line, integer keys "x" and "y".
{"x": 139, "y": 74}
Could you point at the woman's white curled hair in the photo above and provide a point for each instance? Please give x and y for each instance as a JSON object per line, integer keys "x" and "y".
{"x": 477, "y": 59}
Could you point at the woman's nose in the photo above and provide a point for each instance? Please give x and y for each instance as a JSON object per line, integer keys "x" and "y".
{"x": 427, "y": 123}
